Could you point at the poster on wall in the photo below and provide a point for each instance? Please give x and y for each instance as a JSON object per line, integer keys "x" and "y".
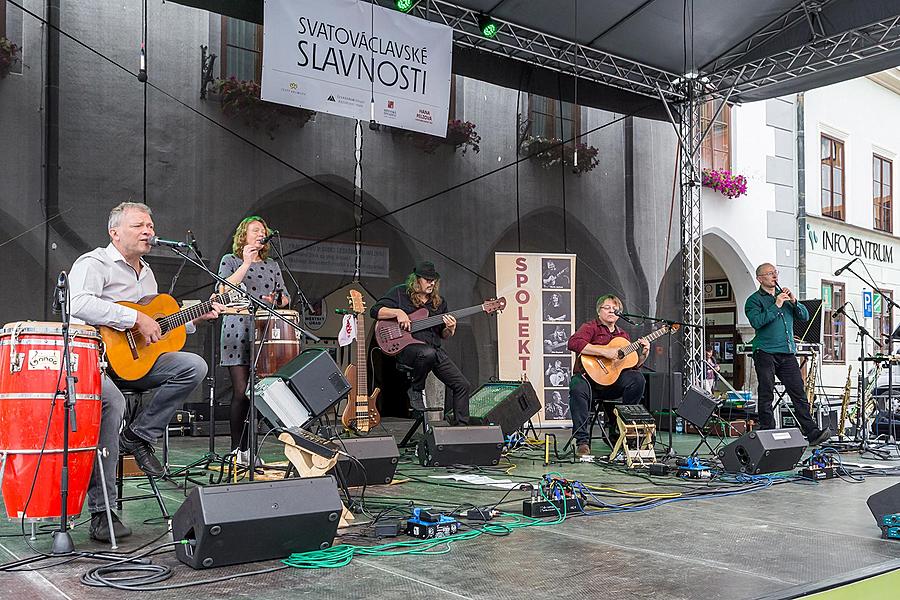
{"x": 534, "y": 330}
{"x": 358, "y": 60}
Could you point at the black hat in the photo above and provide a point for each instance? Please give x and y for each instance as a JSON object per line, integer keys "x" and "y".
{"x": 426, "y": 269}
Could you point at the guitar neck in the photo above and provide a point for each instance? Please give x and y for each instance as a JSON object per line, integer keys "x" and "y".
{"x": 175, "y": 320}
{"x": 438, "y": 319}
{"x": 633, "y": 346}
{"x": 362, "y": 384}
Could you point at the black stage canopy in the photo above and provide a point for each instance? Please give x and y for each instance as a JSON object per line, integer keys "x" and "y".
{"x": 631, "y": 53}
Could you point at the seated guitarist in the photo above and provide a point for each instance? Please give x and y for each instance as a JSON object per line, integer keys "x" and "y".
{"x": 590, "y": 339}
{"x": 422, "y": 289}
{"x": 97, "y": 281}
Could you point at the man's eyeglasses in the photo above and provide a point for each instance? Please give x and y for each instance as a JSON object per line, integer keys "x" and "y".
{"x": 609, "y": 308}
{"x": 769, "y": 273}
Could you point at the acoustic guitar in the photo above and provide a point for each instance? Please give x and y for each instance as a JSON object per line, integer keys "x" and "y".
{"x": 605, "y": 371}
{"x": 360, "y": 414}
{"x": 391, "y": 339}
{"x": 127, "y": 351}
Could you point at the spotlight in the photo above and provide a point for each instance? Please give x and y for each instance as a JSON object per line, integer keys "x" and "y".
{"x": 488, "y": 26}
{"x": 404, "y": 6}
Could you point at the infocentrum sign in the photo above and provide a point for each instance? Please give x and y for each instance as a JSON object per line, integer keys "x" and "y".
{"x": 850, "y": 245}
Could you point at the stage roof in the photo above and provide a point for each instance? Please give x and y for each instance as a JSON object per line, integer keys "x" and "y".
{"x": 631, "y": 53}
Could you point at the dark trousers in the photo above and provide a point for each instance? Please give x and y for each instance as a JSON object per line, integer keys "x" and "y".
{"x": 785, "y": 366}
{"x": 422, "y": 359}
{"x": 582, "y": 393}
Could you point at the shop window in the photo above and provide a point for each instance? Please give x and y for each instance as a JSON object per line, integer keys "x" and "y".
{"x": 833, "y": 328}
{"x": 832, "y": 152}
{"x": 241, "y": 55}
{"x": 551, "y": 118}
{"x": 883, "y": 319}
{"x": 882, "y": 180}
{"x": 715, "y": 151}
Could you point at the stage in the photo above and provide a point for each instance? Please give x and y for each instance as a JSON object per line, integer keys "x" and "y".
{"x": 767, "y": 543}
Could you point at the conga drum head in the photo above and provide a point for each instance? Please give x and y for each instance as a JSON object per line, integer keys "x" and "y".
{"x": 276, "y": 342}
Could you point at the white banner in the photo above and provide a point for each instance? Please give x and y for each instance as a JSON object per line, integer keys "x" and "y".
{"x": 336, "y": 56}
{"x": 537, "y": 324}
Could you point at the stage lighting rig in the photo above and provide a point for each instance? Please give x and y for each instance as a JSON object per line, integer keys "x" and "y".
{"x": 488, "y": 26}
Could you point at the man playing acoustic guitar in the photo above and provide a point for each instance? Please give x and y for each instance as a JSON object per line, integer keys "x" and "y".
{"x": 422, "y": 289}
{"x": 97, "y": 281}
{"x": 590, "y": 340}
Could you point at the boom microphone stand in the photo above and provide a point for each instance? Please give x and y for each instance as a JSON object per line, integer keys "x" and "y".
{"x": 255, "y": 305}
{"x": 670, "y": 449}
{"x": 861, "y": 425}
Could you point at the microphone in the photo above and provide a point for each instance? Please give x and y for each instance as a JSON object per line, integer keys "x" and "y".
{"x": 622, "y": 316}
{"x": 845, "y": 267}
{"x": 268, "y": 238}
{"x": 142, "y": 71}
{"x": 192, "y": 241}
{"x": 59, "y": 293}
{"x": 156, "y": 241}
{"x": 841, "y": 310}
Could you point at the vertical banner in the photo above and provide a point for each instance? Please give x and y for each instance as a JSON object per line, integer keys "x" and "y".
{"x": 358, "y": 60}
{"x": 534, "y": 330}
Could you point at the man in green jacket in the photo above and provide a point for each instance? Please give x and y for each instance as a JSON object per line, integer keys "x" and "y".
{"x": 771, "y": 311}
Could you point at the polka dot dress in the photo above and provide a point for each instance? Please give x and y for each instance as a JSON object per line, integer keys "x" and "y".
{"x": 261, "y": 279}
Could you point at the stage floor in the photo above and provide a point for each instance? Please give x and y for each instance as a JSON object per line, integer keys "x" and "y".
{"x": 768, "y": 543}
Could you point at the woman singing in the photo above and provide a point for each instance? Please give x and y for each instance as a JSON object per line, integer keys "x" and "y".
{"x": 248, "y": 264}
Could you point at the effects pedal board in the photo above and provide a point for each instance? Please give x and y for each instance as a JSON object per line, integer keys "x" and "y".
{"x": 540, "y": 508}
{"x": 819, "y": 473}
{"x": 425, "y": 525}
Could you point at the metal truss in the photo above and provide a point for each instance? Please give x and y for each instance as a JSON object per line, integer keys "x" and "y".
{"x": 533, "y": 47}
{"x": 821, "y": 54}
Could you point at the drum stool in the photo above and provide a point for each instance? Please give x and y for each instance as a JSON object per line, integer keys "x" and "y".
{"x": 133, "y": 400}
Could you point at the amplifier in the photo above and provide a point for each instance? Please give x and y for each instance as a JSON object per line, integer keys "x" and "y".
{"x": 443, "y": 446}
{"x": 508, "y": 404}
{"x": 278, "y": 404}
{"x": 316, "y": 380}
{"x": 378, "y": 455}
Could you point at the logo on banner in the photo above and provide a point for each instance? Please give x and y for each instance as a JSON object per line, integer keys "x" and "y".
{"x": 390, "y": 104}
{"x": 424, "y": 116}
{"x": 293, "y": 85}
{"x": 331, "y": 99}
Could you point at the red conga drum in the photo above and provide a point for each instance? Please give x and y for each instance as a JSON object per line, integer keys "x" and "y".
{"x": 281, "y": 345}
{"x": 31, "y": 370}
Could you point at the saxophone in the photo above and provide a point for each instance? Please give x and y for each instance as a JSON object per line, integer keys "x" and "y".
{"x": 845, "y": 403}
{"x": 810, "y": 387}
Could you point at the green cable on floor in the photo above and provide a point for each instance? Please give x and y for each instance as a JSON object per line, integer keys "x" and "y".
{"x": 342, "y": 554}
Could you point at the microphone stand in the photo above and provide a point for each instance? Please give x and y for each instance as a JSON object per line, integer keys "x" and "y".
{"x": 62, "y": 539}
{"x": 670, "y": 449}
{"x": 254, "y": 306}
{"x": 299, "y": 296}
{"x": 892, "y": 305}
{"x": 861, "y": 425}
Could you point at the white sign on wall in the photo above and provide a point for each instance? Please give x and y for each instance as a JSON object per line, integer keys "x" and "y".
{"x": 337, "y": 56}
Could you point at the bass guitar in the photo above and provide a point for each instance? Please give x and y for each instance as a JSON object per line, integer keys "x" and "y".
{"x": 606, "y": 371}
{"x": 360, "y": 414}
{"x": 128, "y": 353}
{"x": 391, "y": 339}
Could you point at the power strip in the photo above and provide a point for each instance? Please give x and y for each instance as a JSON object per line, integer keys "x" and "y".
{"x": 545, "y": 508}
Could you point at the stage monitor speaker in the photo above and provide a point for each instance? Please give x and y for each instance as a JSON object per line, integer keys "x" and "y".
{"x": 764, "y": 451}
{"x": 885, "y": 502}
{"x": 697, "y": 407}
{"x": 279, "y": 405}
{"x": 508, "y": 404}
{"x": 656, "y": 392}
{"x": 262, "y": 520}
{"x": 443, "y": 446}
{"x": 378, "y": 455}
{"x": 316, "y": 379}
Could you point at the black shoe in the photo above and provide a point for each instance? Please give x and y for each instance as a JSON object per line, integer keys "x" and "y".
{"x": 100, "y": 527}
{"x": 819, "y": 436}
{"x": 143, "y": 455}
